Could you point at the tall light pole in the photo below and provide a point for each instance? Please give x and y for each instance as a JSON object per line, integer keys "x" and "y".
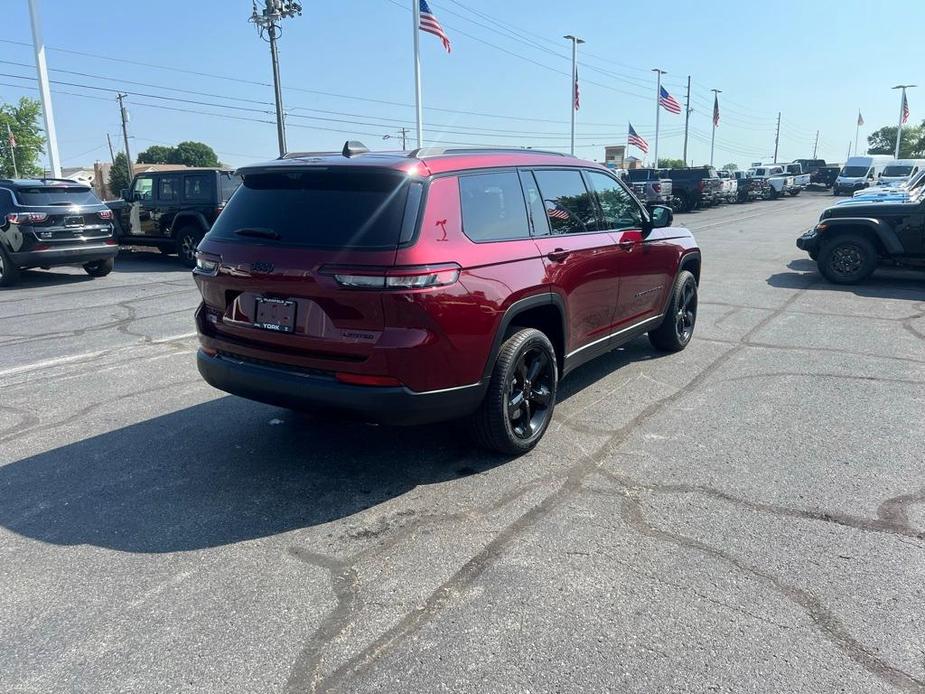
{"x": 716, "y": 93}
{"x": 573, "y": 93}
{"x": 776, "y": 138}
{"x": 658, "y": 108}
{"x": 902, "y": 112}
{"x": 267, "y": 21}
{"x": 44, "y": 91}
{"x": 687, "y": 117}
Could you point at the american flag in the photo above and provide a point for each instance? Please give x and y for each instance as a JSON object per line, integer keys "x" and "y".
{"x": 576, "y": 90}
{"x": 667, "y": 101}
{"x": 715, "y": 110}
{"x": 860, "y": 119}
{"x": 430, "y": 24}
{"x": 905, "y": 109}
{"x": 556, "y": 212}
{"x": 634, "y": 139}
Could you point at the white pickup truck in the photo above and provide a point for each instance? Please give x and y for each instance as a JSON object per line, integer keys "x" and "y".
{"x": 779, "y": 180}
{"x": 800, "y": 180}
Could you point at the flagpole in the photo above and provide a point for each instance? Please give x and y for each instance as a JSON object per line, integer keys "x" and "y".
{"x": 418, "y": 109}
{"x": 899, "y": 125}
{"x": 658, "y": 93}
{"x": 575, "y": 41}
{"x": 857, "y": 132}
{"x": 716, "y": 93}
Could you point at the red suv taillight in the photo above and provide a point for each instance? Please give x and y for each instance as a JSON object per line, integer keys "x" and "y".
{"x": 105, "y": 214}
{"x": 702, "y": 185}
{"x": 410, "y": 277}
{"x": 26, "y": 217}
{"x": 657, "y": 187}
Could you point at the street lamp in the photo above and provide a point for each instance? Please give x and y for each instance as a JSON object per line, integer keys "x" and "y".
{"x": 267, "y": 23}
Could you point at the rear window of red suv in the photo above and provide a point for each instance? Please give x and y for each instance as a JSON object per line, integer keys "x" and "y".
{"x": 322, "y": 209}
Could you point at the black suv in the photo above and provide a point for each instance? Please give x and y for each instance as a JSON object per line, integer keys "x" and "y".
{"x": 850, "y": 240}
{"x": 693, "y": 187}
{"x": 52, "y": 221}
{"x": 172, "y": 210}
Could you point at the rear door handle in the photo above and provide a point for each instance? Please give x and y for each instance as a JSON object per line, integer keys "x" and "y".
{"x": 558, "y": 255}
{"x": 627, "y": 246}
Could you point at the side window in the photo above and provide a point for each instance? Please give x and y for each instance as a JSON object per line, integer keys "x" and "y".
{"x": 168, "y": 189}
{"x": 534, "y": 204}
{"x": 493, "y": 206}
{"x": 197, "y": 188}
{"x": 144, "y": 188}
{"x": 568, "y": 204}
{"x": 618, "y": 207}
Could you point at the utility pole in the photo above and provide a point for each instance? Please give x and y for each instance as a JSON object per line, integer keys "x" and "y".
{"x": 716, "y": 93}
{"x": 687, "y": 117}
{"x": 658, "y": 108}
{"x": 573, "y": 92}
{"x": 11, "y": 142}
{"x": 903, "y": 114}
{"x": 112, "y": 155}
{"x": 128, "y": 155}
{"x": 267, "y": 22}
{"x": 815, "y": 144}
{"x": 403, "y": 132}
{"x": 776, "y": 138}
{"x": 44, "y": 90}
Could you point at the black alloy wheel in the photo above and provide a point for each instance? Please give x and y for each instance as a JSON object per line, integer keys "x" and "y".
{"x": 847, "y": 259}
{"x": 188, "y": 239}
{"x": 521, "y": 396}
{"x": 675, "y": 331}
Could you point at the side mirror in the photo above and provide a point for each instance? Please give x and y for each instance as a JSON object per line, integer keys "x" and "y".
{"x": 662, "y": 216}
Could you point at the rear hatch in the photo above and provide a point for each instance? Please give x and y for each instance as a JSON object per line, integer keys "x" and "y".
{"x": 62, "y": 215}
{"x": 297, "y": 257}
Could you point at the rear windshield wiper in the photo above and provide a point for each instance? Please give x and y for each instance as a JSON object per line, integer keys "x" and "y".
{"x": 258, "y": 233}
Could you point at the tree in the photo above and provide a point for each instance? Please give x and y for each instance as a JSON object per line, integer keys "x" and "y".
{"x": 730, "y": 167}
{"x": 119, "y": 179}
{"x": 156, "y": 154}
{"x": 912, "y": 145}
{"x": 671, "y": 164}
{"x": 23, "y": 119}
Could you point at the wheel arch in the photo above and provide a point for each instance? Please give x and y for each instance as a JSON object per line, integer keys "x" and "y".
{"x": 184, "y": 219}
{"x": 884, "y": 238}
{"x": 691, "y": 262}
{"x": 544, "y": 312}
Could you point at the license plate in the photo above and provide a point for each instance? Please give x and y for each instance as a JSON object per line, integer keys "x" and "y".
{"x": 73, "y": 221}
{"x": 275, "y": 314}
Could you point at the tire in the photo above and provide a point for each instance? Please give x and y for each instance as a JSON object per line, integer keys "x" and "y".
{"x": 9, "y": 273}
{"x": 188, "y": 238}
{"x": 99, "y": 268}
{"x": 677, "y": 328}
{"x": 847, "y": 259}
{"x": 684, "y": 202}
{"x": 772, "y": 193}
{"x": 498, "y": 427}
{"x": 835, "y": 192}
{"x": 794, "y": 193}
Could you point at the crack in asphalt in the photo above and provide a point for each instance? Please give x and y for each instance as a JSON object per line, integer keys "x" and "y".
{"x": 472, "y": 569}
{"x": 822, "y": 617}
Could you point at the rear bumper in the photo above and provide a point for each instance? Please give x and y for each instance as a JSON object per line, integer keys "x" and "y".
{"x": 65, "y": 256}
{"x": 302, "y": 391}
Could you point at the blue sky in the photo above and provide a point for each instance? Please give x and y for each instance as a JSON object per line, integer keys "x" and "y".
{"x": 346, "y": 71}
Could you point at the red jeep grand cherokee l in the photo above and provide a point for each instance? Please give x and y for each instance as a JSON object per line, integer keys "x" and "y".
{"x": 439, "y": 284}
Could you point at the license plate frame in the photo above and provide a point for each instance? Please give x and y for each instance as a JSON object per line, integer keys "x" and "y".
{"x": 275, "y": 315}
{"x": 74, "y": 220}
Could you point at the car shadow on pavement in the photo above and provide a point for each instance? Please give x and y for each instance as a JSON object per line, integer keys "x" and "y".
{"x": 221, "y": 472}
{"x": 131, "y": 260}
{"x": 231, "y": 470}
{"x": 885, "y": 283}
{"x": 34, "y": 279}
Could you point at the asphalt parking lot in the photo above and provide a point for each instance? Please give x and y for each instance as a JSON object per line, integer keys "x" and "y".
{"x": 745, "y": 516}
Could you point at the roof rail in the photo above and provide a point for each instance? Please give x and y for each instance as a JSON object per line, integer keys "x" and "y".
{"x": 42, "y": 178}
{"x": 423, "y": 152}
{"x": 306, "y": 155}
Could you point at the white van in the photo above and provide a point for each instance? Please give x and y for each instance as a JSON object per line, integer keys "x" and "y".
{"x": 860, "y": 172}
{"x": 900, "y": 170}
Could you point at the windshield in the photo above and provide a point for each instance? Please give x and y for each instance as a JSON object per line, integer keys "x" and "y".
{"x": 897, "y": 170}
{"x": 854, "y": 171}
{"x": 56, "y": 195}
{"x": 318, "y": 208}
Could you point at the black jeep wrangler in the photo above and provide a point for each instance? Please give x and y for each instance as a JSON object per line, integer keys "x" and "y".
{"x": 172, "y": 210}
{"x": 851, "y": 240}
